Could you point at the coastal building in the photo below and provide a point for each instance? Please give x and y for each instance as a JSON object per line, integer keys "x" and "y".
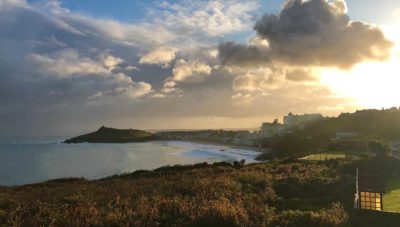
{"x": 269, "y": 130}
{"x": 300, "y": 120}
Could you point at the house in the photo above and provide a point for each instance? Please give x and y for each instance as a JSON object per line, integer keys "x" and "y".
{"x": 269, "y": 130}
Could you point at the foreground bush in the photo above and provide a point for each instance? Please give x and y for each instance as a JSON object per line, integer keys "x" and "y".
{"x": 199, "y": 195}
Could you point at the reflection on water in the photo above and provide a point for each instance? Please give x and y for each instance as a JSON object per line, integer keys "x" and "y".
{"x": 22, "y": 163}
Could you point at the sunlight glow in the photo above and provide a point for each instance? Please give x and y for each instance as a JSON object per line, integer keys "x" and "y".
{"x": 370, "y": 84}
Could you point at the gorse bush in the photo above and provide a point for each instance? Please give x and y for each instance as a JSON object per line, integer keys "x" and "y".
{"x": 199, "y": 195}
{"x": 330, "y": 217}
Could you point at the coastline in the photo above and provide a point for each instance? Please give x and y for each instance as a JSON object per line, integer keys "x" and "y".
{"x": 110, "y": 158}
{"x": 233, "y": 146}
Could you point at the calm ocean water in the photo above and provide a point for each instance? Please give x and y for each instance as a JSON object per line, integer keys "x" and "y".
{"x": 23, "y": 163}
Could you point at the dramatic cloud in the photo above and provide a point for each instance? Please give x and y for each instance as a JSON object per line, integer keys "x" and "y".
{"x": 189, "y": 70}
{"x": 120, "y": 77}
{"x": 132, "y": 68}
{"x": 311, "y": 33}
{"x": 232, "y": 53}
{"x": 301, "y": 75}
{"x": 110, "y": 61}
{"x": 186, "y": 71}
{"x": 134, "y": 90}
{"x": 210, "y": 17}
{"x": 64, "y": 72}
{"x": 260, "y": 79}
{"x": 169, "y": 86}
{"x": 160, "y": 56}
{"x": 59, "y": 65}
{"x": 68, "y": 62}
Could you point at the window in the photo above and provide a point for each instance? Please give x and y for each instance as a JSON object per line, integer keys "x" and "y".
{"x": 370, "y": 201}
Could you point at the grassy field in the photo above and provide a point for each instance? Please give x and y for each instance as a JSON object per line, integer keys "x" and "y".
{"x": 323, "y": 156}
{"x": 391, "y": 200}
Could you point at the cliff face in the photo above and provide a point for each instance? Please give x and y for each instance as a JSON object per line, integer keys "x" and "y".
{"x": 111, "y": 135}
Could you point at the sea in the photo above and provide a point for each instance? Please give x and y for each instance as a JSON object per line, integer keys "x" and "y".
{"x": 27, "y": 162}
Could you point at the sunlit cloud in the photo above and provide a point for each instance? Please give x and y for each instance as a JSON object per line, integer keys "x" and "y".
{"x": 159, "y": 56}
{"x": 310, "y": 33}
{"x": 370, "y": 84}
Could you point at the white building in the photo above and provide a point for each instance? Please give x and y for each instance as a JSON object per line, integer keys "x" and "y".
{"x": 268, "y": 130}
{"x": 300, "y": 120}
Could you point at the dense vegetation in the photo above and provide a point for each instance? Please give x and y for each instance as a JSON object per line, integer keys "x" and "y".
{"x": 290, "y": 193}
{"x": 314, "y": 137}
{"x": 111, "y": 135}
{"x": 274, "y": 194}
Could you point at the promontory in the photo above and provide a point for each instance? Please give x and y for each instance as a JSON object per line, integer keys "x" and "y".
{"x": 112, "y": 135}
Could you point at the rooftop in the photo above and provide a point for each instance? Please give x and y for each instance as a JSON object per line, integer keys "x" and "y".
{"x": 371, "y": 183}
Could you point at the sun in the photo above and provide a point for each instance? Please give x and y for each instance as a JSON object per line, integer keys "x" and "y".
{"x": 369, "y": 84}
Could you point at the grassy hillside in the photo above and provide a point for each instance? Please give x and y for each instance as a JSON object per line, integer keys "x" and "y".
{"x": 392, "y": 197}
{"x": 300, "y": 193}
{"x": 274, "y": 194}
{"x": 111, "y": 135}
{"x": 379, "y": 123}
{"x": 316, "y": 136}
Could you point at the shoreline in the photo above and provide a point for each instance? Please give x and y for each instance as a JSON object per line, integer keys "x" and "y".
{"x": 190, "y": 153}
{"x": 233, "y": 146}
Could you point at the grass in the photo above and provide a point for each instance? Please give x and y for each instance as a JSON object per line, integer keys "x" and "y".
{"x": 297, "y": 194}
{"x": 286, "y": 193}
{"x": 323, "y": 156}
{"x": 391, "y": 199}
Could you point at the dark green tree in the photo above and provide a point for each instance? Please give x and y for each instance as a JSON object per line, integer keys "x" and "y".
{"x": 379, "y": 147}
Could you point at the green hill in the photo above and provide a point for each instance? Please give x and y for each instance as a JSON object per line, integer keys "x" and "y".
{"x": 314, "y": 137}
{"x": 111, "y": 135}
{"x": 384, "y": 124}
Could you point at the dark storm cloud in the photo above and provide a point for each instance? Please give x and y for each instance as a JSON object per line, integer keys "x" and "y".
{"x": 234, "y": 53}
{"x": 311, "y": 33}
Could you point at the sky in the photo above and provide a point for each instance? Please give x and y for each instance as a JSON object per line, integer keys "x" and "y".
{"x": 68, "y": 67}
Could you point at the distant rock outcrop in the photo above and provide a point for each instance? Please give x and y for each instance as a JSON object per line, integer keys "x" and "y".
{"x": 111, "y": 135}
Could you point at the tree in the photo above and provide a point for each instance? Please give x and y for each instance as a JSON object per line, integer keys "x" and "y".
{"x": 379, "y": 147}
